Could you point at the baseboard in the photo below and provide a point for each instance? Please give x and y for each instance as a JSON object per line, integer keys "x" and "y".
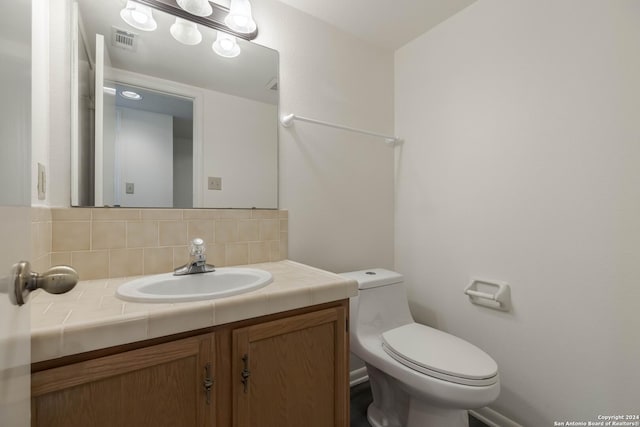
{"x": 493, "y": 418}
{"x": 358, "y": 376}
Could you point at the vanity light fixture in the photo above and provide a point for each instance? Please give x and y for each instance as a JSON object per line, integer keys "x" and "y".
{"x": 236, "y": 19}
{"x": 131, "y": 95}
{"x": 239, "y": 18}
{"x": 226, "y": 45}
{"x": 139, "y": 16}
{"x": 196, "y": 7}
{"x": 186, "y": 32}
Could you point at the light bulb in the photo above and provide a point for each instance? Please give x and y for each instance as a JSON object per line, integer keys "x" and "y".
{"x": 239, "y": 18}
{"x": 196, "y": 7}
{"x": 186, "y": 32}
{"x": 226, "y": 45}
{"x": 139, "y": 16}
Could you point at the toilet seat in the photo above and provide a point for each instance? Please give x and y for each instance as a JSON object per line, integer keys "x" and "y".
{"x": 440, "y": 355}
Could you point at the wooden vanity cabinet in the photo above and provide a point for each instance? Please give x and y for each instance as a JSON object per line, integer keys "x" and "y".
{"x": 286, "y": 369}
{"x": 292, "y": 372}
{"x": 160, "y": 385}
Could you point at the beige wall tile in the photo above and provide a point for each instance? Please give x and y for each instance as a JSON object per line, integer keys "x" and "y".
{"x": 70, "y": 236}
{"x": 109, "y": 242}
{"x": 284, "y": 246}
{"x": 258, "y": 252}
{"x": 70, "y": 214}
{"x": 142, "y": 234}
{"x": 165, "y": 214}
{"x": 44, "y": 238}
{"x": 226, "y": 231}
{"x": 274, "y": 251}
{"x": 60, "y": 258}
{"x": 202, "y": 228}
{"x": 180, "y": 256}
{"x": 173, "y": 233}
{"x": 41, "y": 264}
{"x": 216, "y": 254}
{"x": 40, "y": 214}
{"x": 248, "y": 230}
{"x": 234, "y": 214}
{"x": 91, "y": 264}
{"x": 264, "y": 214}
{"x": 201, "y": 213}
{"x": 269, "y": 229}
{"x": 237, "y": 254}
{"x": 125, "y": 262}
{"x": 35, "y": 241}
{"x": 108, "y": 234}
{"x": 115, "y": 214}
{"x": 158, "y": 260}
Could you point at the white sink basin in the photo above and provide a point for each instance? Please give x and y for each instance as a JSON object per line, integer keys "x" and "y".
{"x": 167, "y": 288}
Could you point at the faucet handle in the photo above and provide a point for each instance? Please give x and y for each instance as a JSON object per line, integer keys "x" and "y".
{"x": 197, "y": 247}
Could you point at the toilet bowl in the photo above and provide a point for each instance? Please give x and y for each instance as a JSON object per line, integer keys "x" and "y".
{"x": 419, "y": 376}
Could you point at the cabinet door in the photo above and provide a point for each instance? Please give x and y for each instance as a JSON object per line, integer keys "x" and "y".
{"x": 161, "y": 385}
{"x": 292, "y": 372}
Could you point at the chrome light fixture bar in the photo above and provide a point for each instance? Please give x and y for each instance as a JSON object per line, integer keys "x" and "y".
{"x": 215, "y": 20}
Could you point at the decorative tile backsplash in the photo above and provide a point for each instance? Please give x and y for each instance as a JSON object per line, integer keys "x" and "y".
{"x": 115, "y": 242}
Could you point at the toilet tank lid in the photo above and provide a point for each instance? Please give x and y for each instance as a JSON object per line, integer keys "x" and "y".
{"x": 373, "y": 277}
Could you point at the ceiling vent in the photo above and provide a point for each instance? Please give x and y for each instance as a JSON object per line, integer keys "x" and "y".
{"x": 123, "y": 39}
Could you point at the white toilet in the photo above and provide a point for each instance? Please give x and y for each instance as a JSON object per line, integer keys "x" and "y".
{"x": 419, "y": 376}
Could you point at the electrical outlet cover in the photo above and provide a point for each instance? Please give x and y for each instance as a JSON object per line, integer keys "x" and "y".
{"x": 214, "y": 183}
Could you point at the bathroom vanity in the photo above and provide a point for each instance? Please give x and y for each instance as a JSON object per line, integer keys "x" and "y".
{"x": 274, "y": 357}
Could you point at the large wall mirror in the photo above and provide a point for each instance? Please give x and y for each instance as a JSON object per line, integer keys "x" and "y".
{"x": 159, "y": 123}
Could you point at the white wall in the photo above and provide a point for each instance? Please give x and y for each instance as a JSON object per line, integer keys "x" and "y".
{"x": 521, "y": 164}
{"x": 338, "y": 186}
{"x": 40, "y": 93}
{"x": 241, "y": 149}
{"x": 145, "y": 152}
{"x": 182, "y": 171}
{"x": 59, "y": 174}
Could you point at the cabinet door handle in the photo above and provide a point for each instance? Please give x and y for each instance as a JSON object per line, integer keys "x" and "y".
{"x": 207, "y": 383}
{"x": 246, "y": 373}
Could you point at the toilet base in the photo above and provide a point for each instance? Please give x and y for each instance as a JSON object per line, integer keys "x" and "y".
{"x": 420, "y": 416}
{"x": 394, "y": 407}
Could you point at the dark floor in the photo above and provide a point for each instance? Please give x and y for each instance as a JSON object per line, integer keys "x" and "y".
{"x": 360, "y": 400}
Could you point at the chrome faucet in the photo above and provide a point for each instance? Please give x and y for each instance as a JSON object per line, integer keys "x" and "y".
{"x": 197, "y": 260}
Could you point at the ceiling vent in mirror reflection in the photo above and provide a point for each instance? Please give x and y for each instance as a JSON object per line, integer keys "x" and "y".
{"x": 123, "y": 39}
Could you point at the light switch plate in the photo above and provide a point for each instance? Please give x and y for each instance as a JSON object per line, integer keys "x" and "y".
{"x": 129, "y": 187}
{"x": 215, "y": 183}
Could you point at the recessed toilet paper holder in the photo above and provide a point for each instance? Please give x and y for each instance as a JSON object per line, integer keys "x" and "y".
{"x": 491, "y": 294}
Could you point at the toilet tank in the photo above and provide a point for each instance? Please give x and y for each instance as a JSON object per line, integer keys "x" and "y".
{"x": 381, "y": 303}
{"x": 374, "y": 277}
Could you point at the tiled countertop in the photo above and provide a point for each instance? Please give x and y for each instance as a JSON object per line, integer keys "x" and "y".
{"x": 90, "y": 317}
